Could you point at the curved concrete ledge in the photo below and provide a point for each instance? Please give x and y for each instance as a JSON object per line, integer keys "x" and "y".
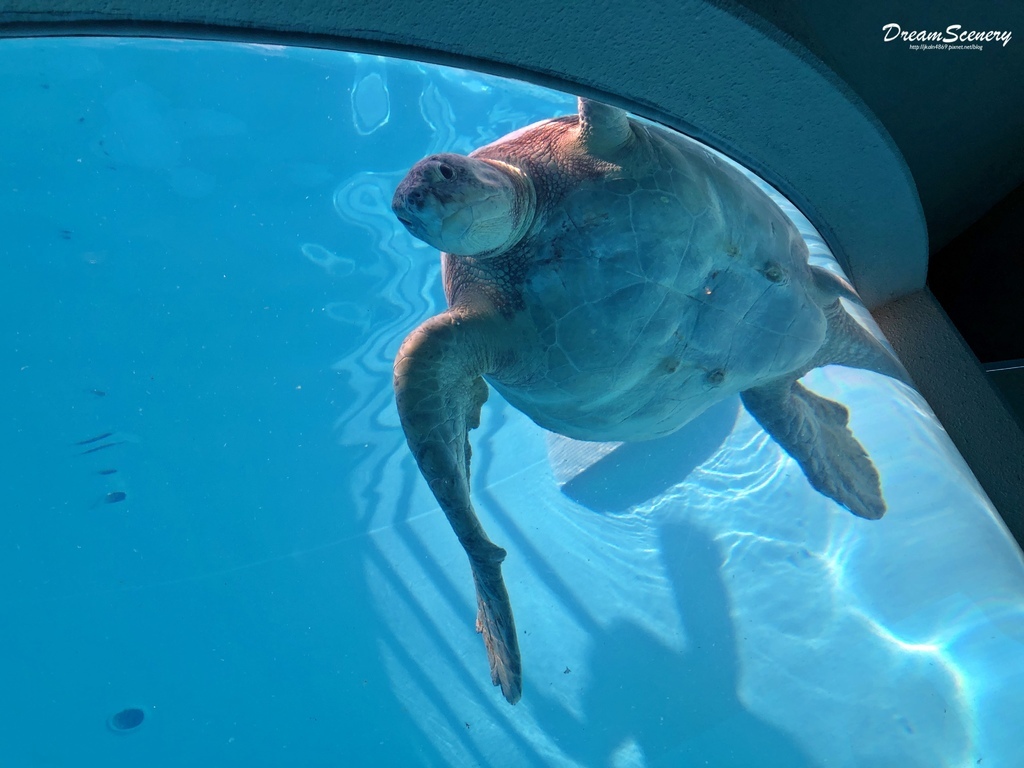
{"x": 712, "y": 70}
{"x": 946, "y": 372}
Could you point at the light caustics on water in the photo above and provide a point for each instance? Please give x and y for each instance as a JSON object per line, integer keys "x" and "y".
{"x": 794, "y": 598}
{"x": 786, "y": 554}
{"x": 686, "y": 601}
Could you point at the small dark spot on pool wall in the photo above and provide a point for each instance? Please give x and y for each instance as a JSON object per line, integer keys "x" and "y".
{"x": 126, "y": 719}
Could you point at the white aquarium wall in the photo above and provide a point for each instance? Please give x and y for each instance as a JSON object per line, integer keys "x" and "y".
{"x": 217, "y": 548}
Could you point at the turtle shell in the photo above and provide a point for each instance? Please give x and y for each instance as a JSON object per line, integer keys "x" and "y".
{"x": 651, "y": 285}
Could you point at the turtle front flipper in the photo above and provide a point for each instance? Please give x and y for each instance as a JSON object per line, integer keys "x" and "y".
{"x": 813, "y": 430}
{"x": 439, "y": 392}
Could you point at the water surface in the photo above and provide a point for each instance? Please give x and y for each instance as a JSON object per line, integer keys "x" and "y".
{"x": 212, "y": 517}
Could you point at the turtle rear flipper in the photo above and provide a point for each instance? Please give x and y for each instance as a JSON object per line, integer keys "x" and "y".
{"x": 439, "y": 392}
{"x": 813, "y": 430}
{"x": 495, "y": 622}
{"x": 847, "y": 341}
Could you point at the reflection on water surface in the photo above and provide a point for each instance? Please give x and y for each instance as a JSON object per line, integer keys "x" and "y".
{"x": 277, "y": 579}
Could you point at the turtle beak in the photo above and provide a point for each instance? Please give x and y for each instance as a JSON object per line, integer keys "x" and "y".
{"x": 408, "y": 220}
{"x": 418, "y": 210}
{"x": 406, "y": 203}
{"x": 409, "y": 209}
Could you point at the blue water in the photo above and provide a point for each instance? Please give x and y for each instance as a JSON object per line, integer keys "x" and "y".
{"x": 199, "y": 259}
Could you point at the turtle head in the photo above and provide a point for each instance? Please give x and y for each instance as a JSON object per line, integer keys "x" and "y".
{"x": 466, "y": 206}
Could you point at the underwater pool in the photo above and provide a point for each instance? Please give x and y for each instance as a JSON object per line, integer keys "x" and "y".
{"x": 219, "y": 551}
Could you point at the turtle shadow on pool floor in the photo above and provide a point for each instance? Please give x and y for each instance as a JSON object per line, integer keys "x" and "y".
{"x": 678, "y": 707}
{"x": 633, "y": 473}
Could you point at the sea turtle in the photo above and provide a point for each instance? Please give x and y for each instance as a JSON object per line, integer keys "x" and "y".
{"x": 612, "y": 280}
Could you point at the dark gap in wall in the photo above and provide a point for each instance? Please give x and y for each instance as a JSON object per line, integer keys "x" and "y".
{"x": 1009, "y": 382}
{"x": 979, "y": 280}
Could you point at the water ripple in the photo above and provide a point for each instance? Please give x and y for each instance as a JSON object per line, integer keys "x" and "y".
{"x": 795, "y": 600}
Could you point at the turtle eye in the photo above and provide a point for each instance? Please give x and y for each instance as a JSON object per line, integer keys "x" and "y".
{"x": 447, "y": 171}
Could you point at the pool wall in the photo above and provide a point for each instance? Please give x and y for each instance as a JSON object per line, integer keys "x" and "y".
{"x": 715, "y": 70}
